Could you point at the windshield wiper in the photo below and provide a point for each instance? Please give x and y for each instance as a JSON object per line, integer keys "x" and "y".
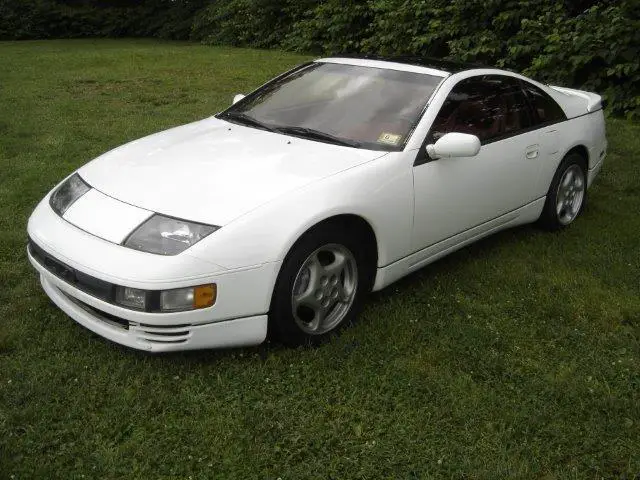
{"x": 317, "y": 134}
{"x": 245, "y": 119}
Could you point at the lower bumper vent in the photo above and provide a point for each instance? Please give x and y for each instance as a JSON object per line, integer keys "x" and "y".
{"x": 148, "y": 333}
{"x": 161, "y": 334}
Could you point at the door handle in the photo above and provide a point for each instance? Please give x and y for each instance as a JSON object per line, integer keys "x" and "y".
{"x": 532, "y": 152}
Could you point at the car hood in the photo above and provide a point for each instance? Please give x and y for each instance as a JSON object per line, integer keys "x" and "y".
{"x": 213, "y": 171}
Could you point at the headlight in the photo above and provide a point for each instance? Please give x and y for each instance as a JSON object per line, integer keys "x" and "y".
{"x": 67, "y": 193}
{"x": 167, "y": 236}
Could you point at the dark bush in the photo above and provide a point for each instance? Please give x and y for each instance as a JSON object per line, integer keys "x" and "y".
{"x": 256, "y": 23}
{"x": 598, "y": 50}
{"x": 30, "y": 19}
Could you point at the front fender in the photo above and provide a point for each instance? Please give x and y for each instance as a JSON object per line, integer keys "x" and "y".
{"x": 381, "y": 192}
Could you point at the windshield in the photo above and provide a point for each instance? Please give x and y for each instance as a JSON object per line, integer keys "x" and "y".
{"x": 372, "y": 108}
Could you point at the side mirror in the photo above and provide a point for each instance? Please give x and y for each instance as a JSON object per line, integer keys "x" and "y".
{"x": 454, "y": 145}
{"x": 237, "y": 98}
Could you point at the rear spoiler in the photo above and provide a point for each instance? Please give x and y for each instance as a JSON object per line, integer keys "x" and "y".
{"x": 594, "y": 101}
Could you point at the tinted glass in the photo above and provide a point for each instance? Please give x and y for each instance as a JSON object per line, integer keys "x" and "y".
{"x": 545, "y": 108}
{"x": 517, "y": 111}
{"x": 375, "y": 107}
{"x": 489, "y": 107}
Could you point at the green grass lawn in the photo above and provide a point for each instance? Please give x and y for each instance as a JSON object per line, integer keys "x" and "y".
{"x": 516, "y": 357}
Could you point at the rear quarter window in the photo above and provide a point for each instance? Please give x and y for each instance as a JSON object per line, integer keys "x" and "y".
{"x": 546, "y": 110}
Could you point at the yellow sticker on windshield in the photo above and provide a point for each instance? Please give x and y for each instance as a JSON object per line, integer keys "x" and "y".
{"x": 389, "y": 138}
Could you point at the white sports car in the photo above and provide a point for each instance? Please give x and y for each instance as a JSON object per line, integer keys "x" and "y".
{"x": 279, "y": 214}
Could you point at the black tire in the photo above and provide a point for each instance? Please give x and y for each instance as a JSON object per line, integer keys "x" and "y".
{"x": 550, "y": 219}
{"x": 283, "y": 325}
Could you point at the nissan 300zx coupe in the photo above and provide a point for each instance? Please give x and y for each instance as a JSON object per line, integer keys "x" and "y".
{"x": 279, "y": 214}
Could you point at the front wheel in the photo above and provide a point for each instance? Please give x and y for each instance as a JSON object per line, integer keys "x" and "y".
{"x": 320, "y": 287}
{"x": 567, "y": 194}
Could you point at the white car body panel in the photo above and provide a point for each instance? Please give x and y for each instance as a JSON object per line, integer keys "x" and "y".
{"x": 594, "y": 101}
{"x": 194, "y": 171}
{"x": 484, "y": 197}
{"x": 266, "y": 189}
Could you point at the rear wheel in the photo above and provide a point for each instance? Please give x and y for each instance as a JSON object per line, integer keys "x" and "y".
{"x": 320, "y": 286}
{"x": 567, "y": 194}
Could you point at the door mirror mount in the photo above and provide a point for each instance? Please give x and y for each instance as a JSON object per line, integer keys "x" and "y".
{"x": 454, "y": 144}
{"x": 237, "y": 98}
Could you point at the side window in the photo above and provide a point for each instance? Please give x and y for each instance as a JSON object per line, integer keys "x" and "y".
{"x": 489, "y": 107}
{"x": 517, "y": 112}
{"x": 472, "y": 108}
{"x": 545, "y": 108}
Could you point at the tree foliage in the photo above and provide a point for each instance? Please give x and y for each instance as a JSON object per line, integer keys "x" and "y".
{"x": 31, "y": 19}
{"x": 581, "y": 43}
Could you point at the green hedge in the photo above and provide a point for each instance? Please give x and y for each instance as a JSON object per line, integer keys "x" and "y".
{"x": 580, "y": 43}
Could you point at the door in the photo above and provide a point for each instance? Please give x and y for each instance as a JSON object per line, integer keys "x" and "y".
{"x": 454, "y": 195}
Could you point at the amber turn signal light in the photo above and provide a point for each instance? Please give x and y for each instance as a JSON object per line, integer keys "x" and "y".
{"x": 204, "y": 295}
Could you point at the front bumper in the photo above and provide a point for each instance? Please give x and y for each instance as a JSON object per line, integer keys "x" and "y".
{"x": 142, "y": 330}
{"x": 238, "y": 318}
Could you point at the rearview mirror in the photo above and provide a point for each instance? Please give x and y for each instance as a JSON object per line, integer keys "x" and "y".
{"x": 237, "y": 98}
{"x": 454, "y": 145}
